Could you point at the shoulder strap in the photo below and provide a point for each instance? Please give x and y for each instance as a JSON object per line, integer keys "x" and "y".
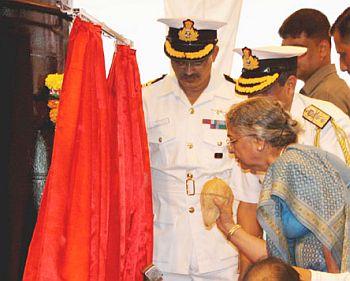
{"x": 153, "y": 81}
{"x": 316, "y": 116}
{"x": 320, "y": 118}
{"x": 229, "y": 78}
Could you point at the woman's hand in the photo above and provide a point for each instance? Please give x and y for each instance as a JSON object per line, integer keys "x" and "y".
{"x": 225, "y": 221}
{"x": 253, "y": 247}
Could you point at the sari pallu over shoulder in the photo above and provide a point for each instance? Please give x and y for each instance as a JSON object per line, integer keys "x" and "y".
{"x": 315, "y": 194}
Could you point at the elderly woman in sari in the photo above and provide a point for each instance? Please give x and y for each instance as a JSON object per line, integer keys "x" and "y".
{"x": 302, "y": 207}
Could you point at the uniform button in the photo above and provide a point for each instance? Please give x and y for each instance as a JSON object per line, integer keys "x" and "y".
{"x": 191, "y": 110}
{"x": 160, "y": 139}
{"x": 190, "y": 145}
{"x": 191, "y": 210}
{"x": 219, "y": 143}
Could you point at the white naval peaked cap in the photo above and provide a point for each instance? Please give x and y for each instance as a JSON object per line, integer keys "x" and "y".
{"x": 262, "y": 67}
{"x": 190, "y": 39}
{"x": 198, "y": 23}
{"x": 274, "y": 52}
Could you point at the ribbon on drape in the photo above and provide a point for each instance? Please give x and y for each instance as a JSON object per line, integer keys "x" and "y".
{"x": 134, "y": 215}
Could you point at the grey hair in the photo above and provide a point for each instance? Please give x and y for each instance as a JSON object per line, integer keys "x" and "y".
{"x": 265, "y": 119}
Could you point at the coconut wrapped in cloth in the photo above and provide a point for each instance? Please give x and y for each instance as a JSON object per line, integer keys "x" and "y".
{"x": 214, "y": 188}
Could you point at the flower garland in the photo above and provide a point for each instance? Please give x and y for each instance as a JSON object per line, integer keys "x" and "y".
{"x": 54, "y": 83}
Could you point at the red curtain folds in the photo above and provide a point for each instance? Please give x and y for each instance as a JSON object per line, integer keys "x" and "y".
{"x": 70, "y": 237}
{"x": 134, "y": 216}
{"x": 95, "y": 221}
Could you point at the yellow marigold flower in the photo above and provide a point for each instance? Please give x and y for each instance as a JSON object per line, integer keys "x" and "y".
{"x": 54, "y": 81}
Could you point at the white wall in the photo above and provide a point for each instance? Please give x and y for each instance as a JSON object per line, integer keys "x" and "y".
{"x": 136, "y": 20}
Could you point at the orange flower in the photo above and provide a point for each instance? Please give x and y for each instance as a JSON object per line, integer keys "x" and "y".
{"x": 53, "y": 103}
{"x": 53, "y": 114}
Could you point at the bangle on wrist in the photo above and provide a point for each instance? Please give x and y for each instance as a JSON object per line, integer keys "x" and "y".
{"x": 232, "y": 231}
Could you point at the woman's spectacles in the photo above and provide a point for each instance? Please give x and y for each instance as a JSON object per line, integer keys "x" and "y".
{"x": 231, "y": 141}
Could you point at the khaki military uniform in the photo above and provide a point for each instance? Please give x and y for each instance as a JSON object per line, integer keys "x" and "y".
{"x": 325, "y": 84}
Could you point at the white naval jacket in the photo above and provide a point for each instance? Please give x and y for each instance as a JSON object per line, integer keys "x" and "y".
{"x": 247, "y": 187}
{"x": 182, "y": 144}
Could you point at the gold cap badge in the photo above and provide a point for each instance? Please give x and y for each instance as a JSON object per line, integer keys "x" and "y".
{"x": 188, "y": 33}
{"x": 250, "y": 62}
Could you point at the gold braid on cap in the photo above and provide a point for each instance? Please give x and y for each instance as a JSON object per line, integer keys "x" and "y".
{"x": 187, "y": 55}
{"x": 262, "y": 82}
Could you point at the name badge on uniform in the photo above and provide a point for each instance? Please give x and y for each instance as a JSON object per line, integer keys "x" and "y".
{"x": 218, "y": 155}
{"x": 160, "y": 122}
{"x": 316, "y": 116}
{"x": 215, "y": 124}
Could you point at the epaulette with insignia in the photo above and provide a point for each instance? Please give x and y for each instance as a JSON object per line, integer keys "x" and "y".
{"x": 316, "y": 116}
{"x": 153, "y": 81}
{"x": 229, "y": 78}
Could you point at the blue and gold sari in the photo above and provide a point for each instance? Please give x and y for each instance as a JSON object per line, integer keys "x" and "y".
{"x": 303, "y": 207}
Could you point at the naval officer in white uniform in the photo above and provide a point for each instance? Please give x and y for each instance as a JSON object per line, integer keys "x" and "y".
{"x": 271, "y": 72}
{"x": 185, "y": 120}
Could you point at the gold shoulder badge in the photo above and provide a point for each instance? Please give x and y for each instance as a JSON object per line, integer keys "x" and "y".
{"x": 188, "y": 33}
{"x": 250, "y": 62}
{"x": 316, "y": 116}
{"x": 153, "y": 81}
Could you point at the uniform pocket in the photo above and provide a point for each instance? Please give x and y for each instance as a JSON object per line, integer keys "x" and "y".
{"x": 161, "y": 131}
{"x": 166, "y": 206}
{"x": 160, "y": 135}
{"x": 166, "y": 214}
{"x": 215, "y": 142}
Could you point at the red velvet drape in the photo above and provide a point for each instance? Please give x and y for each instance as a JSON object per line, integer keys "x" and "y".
{"x": 131, "y": 165}
{"x": 70, "y": 237}
{"x": 95, "y": 219}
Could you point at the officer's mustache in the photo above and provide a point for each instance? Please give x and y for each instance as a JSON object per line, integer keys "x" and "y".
{"x": 191, "y": 76}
